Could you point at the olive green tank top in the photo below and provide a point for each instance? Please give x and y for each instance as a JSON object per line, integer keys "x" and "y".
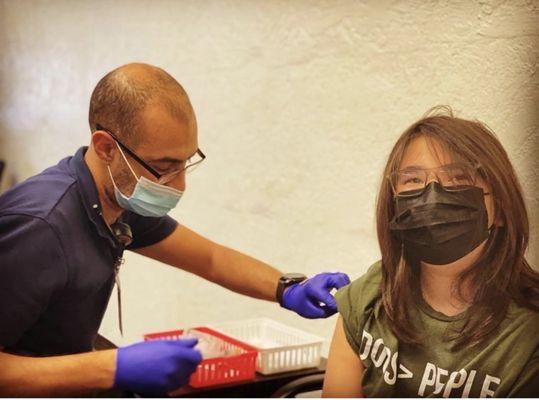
{"x": 505, "y": 365}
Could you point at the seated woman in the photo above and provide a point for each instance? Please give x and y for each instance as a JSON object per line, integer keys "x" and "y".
{"x": 452, "y": 309}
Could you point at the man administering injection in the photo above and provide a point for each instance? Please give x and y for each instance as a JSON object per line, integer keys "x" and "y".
{"x": 63, "y": 233}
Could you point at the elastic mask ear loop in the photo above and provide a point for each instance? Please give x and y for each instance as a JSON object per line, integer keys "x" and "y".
{"x": 127, "y": 162}
{"x": 112, "y": 179}
{"x": 114, "y": 182}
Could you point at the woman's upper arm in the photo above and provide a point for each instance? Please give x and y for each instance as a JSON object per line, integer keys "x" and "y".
{"x": 344, "y": 368}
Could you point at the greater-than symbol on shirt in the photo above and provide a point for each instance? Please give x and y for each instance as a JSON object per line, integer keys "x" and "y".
{"x": 404, "y": 373}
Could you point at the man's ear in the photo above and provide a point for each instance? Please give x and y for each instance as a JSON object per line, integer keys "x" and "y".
{"x": 104, "y": 146}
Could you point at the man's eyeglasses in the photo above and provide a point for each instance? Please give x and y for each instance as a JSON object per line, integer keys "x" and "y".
{"x": 186, "y": 165}
{"x": 453, "y": 177}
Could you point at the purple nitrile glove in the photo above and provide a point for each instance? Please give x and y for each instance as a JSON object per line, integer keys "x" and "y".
{"x": 305, "y": 297}
{"x": 156, "y": 367}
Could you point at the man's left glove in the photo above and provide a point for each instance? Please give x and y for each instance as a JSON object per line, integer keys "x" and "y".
{"x": 306, "y": 297}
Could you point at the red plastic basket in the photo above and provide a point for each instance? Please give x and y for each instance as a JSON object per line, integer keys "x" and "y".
{"x": 218, "y": 370}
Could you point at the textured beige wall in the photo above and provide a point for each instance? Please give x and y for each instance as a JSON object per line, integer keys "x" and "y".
{"x": 298, "y": 104}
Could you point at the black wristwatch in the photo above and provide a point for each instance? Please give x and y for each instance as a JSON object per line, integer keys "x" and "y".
{"x": 285, "y": 281}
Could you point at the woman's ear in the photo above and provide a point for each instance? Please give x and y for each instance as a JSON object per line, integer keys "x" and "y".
{"x": 499, "y": 218}
{"x": 104, "y": 146}
{"x": 499, "y": 221}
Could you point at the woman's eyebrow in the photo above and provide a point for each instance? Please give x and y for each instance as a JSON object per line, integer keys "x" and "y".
{"x": 418, "y": 167}
{"x": 412, "y": 167}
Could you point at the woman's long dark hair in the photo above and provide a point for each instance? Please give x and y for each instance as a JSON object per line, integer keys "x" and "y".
{"x": 501, "y": 274}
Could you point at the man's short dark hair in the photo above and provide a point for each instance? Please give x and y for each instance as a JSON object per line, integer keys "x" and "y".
{"x": 120, "y": 97}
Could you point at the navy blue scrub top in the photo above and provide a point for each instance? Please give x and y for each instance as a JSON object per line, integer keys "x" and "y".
{"x": 57, "y": 260}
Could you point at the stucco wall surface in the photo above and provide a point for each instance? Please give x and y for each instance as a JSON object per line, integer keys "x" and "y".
{"x": 298, "y": 105}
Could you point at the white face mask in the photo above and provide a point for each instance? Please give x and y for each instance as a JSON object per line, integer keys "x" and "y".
{"x": 148, "y": 199}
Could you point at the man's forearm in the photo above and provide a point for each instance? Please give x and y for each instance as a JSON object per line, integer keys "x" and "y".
{"x": 191, "y": 252}
{"x": 244, "y": 274}
{"x": 72, "y": 375}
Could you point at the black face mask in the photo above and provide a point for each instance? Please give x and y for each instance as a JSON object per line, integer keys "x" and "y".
{"x": 439, "y": 226}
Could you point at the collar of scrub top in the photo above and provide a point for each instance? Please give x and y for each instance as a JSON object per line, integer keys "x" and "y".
{"x": 90, "y": 196}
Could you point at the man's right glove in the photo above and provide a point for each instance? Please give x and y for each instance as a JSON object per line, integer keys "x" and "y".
{"x": 306, "y": 297}
{"x": 156, "y": 367}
